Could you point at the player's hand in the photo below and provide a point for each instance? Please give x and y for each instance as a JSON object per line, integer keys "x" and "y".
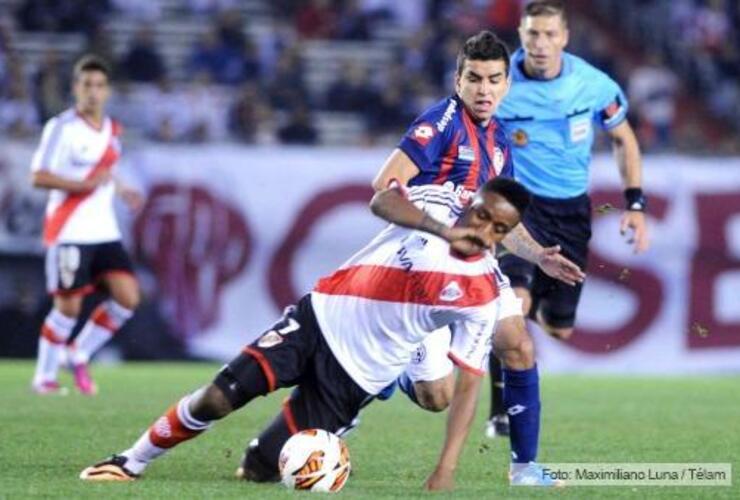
{"x": 635, "y": 221}
{"x": 96, "y": 180}
{"x": 464, "y": 240}
{"x": 440, "y": 480}
{"x": 557, "y": 266}
{"x": 131, "y": 197}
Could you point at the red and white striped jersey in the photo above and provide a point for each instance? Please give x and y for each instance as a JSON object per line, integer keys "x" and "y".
{"x": 73, "y": 148}
{"x": 379, "y": 305}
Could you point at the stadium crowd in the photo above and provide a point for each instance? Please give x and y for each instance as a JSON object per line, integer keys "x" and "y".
{"x": 245, "y": 77}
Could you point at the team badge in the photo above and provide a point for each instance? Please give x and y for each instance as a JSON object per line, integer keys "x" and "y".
{"x": 419, "y": 354}
{"x": 269, "y": 339}
{"x": 451, "y": 292}
{"x": 520, "y": 138}
{"x": 423, "y": 133}
{"x": 498, "y": 160}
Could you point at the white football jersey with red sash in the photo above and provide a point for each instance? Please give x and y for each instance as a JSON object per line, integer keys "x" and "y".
{"x": 378, "y": 307}
{"x": 73, "y": 148}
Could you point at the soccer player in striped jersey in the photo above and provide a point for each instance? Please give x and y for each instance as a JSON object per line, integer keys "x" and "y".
{"x": 459, "y": 142}
{"x": 75, "y": 161}
{"x": 353, "y": 334}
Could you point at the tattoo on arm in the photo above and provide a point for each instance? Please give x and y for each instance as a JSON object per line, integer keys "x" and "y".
{"x": 430, "y": 225}
{"x": 520, "y": 243}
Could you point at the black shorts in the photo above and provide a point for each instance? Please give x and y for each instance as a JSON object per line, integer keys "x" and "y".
{"x": 564, "y": 222}
{"x": 293, "y": 353}
{"x": 73, "y": 268}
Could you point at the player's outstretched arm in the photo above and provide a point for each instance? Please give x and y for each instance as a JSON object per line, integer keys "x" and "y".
{"x": 459, "y": 420}
{"x": 627, "y": 153}
{"x": 47, "y": 180}
{"x": 550, "y": 260}
{"x": 391, "y": 205}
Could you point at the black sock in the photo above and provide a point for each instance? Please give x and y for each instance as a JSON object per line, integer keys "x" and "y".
{"x": 497, "y": 387}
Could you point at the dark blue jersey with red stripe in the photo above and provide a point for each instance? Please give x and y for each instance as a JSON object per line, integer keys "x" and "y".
{"x": 447, "y": 145}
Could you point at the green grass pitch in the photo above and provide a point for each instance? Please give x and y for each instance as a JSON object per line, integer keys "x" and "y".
{"x": 45, "y": 442}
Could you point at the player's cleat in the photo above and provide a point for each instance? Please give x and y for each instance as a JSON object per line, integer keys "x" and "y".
{"x": 113, "y": 469}
{"x": 83, "y": 381}
{"x": 49, "y": 388}
{"x": 498, "y": 426}
{"x": 531, "y": 474}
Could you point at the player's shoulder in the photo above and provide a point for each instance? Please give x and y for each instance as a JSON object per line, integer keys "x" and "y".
{"x": 582, "y": 69}
{"x": 60, "y": 120}
{"x": 442, "y": 113}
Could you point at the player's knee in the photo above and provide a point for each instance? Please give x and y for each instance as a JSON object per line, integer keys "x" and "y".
{"x": 129, "y": 299}
{"x": 524, "y": 294}
{"x": 69, "y": 306}
{"x": 210, "y": 403}
{"x": 559, "y": 333}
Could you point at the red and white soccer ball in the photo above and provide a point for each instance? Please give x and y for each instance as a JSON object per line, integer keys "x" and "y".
{"x": 314, "y": 460}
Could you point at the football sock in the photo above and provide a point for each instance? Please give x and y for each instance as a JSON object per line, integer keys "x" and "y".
{"x": 104, "y": 321}
{"x": 522, "y": 401}
{"x": 174, "y": 427}
{"x": 497, "y": 387}
{"x": 407, "y": 386}
{"x": 54, "y": 334}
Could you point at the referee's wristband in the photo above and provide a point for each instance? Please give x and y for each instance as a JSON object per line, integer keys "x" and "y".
{"x": 636, "y": 201}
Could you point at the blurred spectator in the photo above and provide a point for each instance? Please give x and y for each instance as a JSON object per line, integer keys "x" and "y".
{"x": 652, "y": 92}
{"x": 352, "y": 90}
{"x": 352, "y": 22}
{"x": 503, "y": 17}
{"x": 100, "y": 44}
{"x": 50, "y": 86}
{"x": 287, "y": 85}
{"x": 250, "y": 118}
{"x": 299, "y": 129}
{"x": 407, "y": 14}
{"x": 316, "y": 19}
{"x": 228, "y": 63}
{"x": 18, "y": 117}
{"x": 62, "y": 15}
{"x": 210, "y": 7}
{"x": 168, "y": 115}
{"x": 142, "y": 62}
{"x": 207, "y": 111}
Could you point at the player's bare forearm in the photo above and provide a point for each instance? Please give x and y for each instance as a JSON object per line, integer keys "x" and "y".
{"x": 392, "y": 206}
{"x": 459, "y": 420}
{"x": 47, "y": 180}
{"x": 520, "y": 243}
{"x": 626, "y": 151}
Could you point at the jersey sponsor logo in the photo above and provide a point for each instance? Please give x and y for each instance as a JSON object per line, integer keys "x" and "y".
{"x": 466, "y": 153}
{"x": 451, "y": 292}
{"x": 269, "y": 339}
{"x": 423, "y": 133}
{"x": 498, "y": 160}
{"x": 520, "y": 138}
{"x": 447, "y": 116}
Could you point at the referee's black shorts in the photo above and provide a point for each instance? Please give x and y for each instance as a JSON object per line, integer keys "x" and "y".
{"x": 550, "y": 221}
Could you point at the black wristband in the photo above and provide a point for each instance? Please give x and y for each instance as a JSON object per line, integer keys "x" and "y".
{"x": 636, "y": 201}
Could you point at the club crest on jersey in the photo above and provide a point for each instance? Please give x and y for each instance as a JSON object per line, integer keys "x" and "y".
{"x": 269, "y": 339}
{"x": 498, "y": 160}
{"x": 520, "y": 138}
{"x": 419, "y": 354}
{"x": 466, "y": 153}
{"x": 451, "y": 292}
{"x": 423, "y": 133}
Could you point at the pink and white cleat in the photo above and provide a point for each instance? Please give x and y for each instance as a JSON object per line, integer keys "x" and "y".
{"x": 83, "y": 381}
{"x": 49, "y": 388}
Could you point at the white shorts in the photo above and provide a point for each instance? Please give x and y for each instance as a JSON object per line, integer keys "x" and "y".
{"x": 431, "y": 360}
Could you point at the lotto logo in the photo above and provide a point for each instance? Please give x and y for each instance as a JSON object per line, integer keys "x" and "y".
{"x": 516, "y": 410}
{"x": 423, "y": 133}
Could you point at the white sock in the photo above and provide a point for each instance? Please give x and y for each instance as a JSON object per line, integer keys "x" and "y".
{"x": 104, "y": 321}
{"x": 54, "y": 334}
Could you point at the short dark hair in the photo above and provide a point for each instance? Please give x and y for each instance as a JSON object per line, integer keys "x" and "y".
{"x": 485, "y": 46}
{"x": 510, "y": 190}
{"x": 545, "y": 8}
{"x": 91, "y": 62}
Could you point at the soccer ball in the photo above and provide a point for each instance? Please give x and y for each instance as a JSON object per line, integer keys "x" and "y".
{"x": 314, "y": 460}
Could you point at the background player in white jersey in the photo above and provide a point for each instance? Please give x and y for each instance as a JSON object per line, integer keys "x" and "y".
{"x": 75, "y": 160}
{"x": 351, "y": 337}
